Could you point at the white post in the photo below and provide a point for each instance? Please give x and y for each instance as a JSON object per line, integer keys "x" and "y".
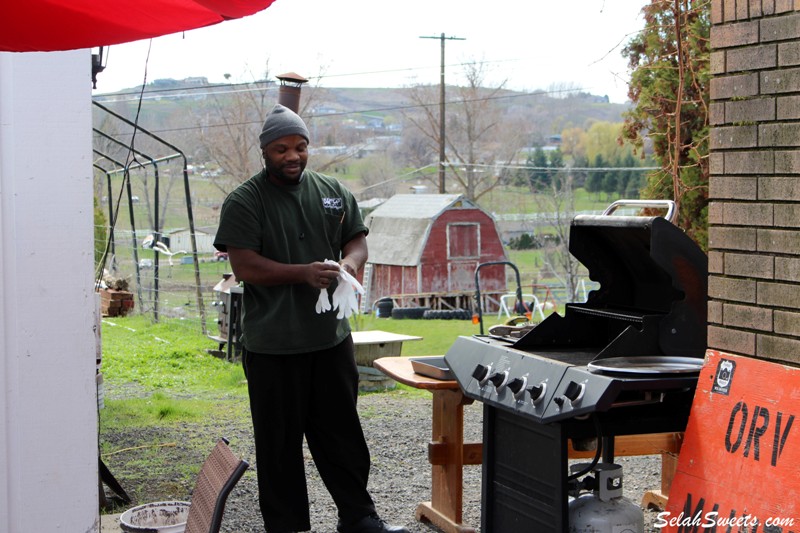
{"x": 48, "y": 406}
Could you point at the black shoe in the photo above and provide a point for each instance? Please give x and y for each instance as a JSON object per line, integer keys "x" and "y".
{"x": 370, "y": 524}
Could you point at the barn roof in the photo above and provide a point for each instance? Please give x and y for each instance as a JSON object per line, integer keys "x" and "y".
{"x": 399, "y": 228}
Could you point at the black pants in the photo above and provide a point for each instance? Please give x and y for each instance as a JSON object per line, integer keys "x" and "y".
{"x": 312, "y": 394}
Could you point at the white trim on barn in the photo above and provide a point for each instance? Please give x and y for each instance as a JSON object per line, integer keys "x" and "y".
{"x": 477, "y": 241}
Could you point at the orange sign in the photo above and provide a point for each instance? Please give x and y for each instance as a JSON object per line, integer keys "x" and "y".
{"x": 739, "y": 468}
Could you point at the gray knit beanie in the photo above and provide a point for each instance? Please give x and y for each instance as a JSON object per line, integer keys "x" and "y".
{"x": 280, "y": 122}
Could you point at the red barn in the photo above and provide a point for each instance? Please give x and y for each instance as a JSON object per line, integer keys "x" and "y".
{"x": 424, "y": 248}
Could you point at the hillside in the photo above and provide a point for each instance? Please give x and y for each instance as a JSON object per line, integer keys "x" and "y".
{"x": 164, "y": 99}
{"x": 209, "y": 123}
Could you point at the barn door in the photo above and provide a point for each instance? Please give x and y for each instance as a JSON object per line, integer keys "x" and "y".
{"x": 463, "y": 241}
{"x": 461, "y": 276}
{"x": 463, "y": 253}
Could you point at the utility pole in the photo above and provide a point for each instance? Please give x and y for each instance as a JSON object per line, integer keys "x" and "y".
{"x": 442, "y": 38}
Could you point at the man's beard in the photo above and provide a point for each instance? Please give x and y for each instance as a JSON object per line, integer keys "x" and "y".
{"x": 277, "y": 171}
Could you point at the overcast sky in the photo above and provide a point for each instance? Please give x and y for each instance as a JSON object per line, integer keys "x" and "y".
{"x": 529, "y": 44}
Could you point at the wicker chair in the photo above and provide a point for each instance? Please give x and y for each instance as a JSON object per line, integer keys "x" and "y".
{"x": 217, "y": 477}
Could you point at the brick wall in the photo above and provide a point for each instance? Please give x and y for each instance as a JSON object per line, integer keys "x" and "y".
{"x": 754, "y": 212}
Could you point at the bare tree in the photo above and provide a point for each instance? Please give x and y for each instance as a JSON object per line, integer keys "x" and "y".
{"x": 333, "y": 145}
{"x": 559, "y": 204}
{"x": 378, "y": 175}
{"x": 472, "y": 118}
{"x": 422, "y": 137}
{"x": 227, "y": 127}
{"x": 416, "y": 150}
{"x": 229, "y": 123}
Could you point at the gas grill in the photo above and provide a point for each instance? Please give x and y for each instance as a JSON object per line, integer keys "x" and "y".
{"x": 623, "y": 362}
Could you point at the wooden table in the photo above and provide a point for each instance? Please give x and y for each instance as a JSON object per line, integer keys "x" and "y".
{"x": 447, "y": 452}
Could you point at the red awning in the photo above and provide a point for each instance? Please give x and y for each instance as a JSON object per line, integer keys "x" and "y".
{"x": 51, "y": 25}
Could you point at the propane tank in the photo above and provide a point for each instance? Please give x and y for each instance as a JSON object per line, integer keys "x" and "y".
{"x": 604, "y": 509}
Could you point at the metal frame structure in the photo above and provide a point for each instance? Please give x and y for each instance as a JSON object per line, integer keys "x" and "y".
{"x": 187, "y": 191}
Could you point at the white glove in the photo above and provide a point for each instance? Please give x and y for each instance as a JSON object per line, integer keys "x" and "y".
{"x": 350, "y": 300}
{"x": 344, "y": 297}
{"x": 338, "y": 297}
{"x": 323, "y": 303}
{"x": 350, "y": 306}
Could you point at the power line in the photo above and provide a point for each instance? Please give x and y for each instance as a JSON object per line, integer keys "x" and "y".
{"x": 155, "y": 90}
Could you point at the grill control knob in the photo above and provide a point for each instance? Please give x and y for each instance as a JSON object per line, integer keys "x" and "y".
{"x": 574, "y": 391}
{"x": 537, "y": 392}
{"x": 481, "y": 373}
{"x": 517, "y": 386}
{"x": 499, "y": 379}
{"x": 572, "y": 394}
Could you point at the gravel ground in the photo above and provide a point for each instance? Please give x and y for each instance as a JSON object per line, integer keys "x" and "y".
{"x": 398, "y": 428}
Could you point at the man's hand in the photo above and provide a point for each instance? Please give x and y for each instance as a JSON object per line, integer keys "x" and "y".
{"x": 320, "y": 275}
{"x": 349, "y": 267}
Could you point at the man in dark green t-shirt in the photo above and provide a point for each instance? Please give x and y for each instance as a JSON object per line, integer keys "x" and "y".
{"x": 279, "y": 228}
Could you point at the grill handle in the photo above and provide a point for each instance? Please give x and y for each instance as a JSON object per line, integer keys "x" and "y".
{"x": 669, "y": 205}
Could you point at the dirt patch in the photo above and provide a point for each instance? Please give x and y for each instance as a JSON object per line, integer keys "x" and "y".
{"x": 159, "y": 463}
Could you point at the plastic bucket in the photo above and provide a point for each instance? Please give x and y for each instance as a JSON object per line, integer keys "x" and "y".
{"x": 158, "y": 517}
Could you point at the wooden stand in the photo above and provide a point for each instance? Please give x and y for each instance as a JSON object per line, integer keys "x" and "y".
{"x": 447, "y": 452}
{"x": 657, "y": 499}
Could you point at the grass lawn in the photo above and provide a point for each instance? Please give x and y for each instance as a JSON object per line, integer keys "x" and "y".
{"x": 172, "y": 358}
{"x": 147, "y": 368}
{"x": 437, "y": 335}
{"x": 166, "y": 396}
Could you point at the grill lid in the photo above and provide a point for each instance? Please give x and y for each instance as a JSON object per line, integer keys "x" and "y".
{"x": 653, "y": 289}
